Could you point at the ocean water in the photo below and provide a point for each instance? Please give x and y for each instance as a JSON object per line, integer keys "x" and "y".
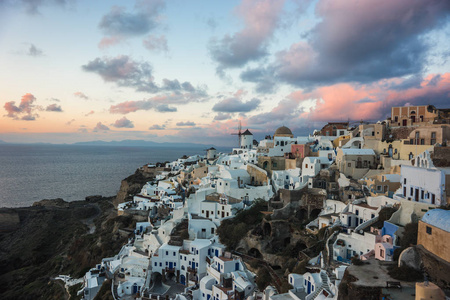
{"x": 30, "y": 173}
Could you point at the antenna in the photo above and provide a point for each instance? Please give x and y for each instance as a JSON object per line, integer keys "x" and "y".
{"x": 239, "y": 133}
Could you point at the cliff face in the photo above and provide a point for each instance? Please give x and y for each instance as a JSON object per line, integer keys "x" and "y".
{"x": 132, "y": 185}
{"x": 53, "y": 237}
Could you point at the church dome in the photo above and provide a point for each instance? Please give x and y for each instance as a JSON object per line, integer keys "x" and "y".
{"x": 283, "y": 131}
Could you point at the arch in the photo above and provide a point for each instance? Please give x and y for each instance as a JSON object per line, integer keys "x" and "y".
{"x": 265, "y": 165}
{"x": 315, "y": 213}
{"x": 287, "y": 241}
{"x": 255, "y": 253}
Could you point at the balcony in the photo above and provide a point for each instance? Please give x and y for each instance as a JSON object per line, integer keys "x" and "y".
{"x": 170, "y": 270}
{"x": 191, "y": 270}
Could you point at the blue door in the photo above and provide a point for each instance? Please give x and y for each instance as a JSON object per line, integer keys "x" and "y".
{"x": 236, "y": 266}
{"x": 183, "y": 279}
{"x": 170, "y": 265}
{"x": 135, "y": 288}
{"x": 217, "y": 252}
{"x": 309, "y": 288}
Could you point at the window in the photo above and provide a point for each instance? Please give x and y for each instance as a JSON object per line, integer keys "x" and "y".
{"x": 167, "y": 252}
{"x": 411, "y": 192}
{"x": 422, "y": 194}
{"x": 357, "y": 212}
{"x": 349, "y": 165}
{"x": 174, "y": 254}
{"x": 433, "y": 135}
{"x": 404, "y": 180}
{"x": 422, "y": 141}
{"x": 382, "y": 253}
{"x": 429, "y": 230}
{"x": 212, "y": 230}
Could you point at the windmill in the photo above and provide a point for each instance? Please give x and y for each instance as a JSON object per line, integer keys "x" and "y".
{"x": 239, "y": 133}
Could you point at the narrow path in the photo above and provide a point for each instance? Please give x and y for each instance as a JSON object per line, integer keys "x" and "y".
{"x": 90, "y": 221}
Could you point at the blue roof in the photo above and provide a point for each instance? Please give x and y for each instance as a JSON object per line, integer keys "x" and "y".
{"x": 439, "y": 218}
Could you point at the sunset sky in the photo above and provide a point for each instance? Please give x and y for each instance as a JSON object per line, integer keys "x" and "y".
{"x": 188, "y": 71}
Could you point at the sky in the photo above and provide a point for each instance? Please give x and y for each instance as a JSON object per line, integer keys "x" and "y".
{"x": 190, "y": 71}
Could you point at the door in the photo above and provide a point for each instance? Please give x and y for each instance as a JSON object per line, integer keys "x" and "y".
{"x": 170, "y": 265}
{"x": 309, "y": 288}
{"x": 223, "y": 214}
{"x": 183, "y": 280}
{"x": 349, "y": 253}
{"x": 217, "y": 252}
{"x": 207, "y": 213}
{"x": 416, "y": 196}
{"x": 404, "y": 122}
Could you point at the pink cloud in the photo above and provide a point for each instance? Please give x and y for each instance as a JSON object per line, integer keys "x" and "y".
{"x": 261, "y": 18}
{"x": 24, "y": 110}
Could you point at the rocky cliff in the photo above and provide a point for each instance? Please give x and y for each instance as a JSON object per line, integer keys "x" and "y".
{"x": 55, "y": 237}
{"x": 132, "y": 185}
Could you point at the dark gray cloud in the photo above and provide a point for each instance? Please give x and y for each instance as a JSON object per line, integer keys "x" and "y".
{"x": 232, "y": 105}
{"x": 380, "y": 39}
{"x": 157, "y": 127}
{"x": 366, "y": 100}
{"x": 34, "y": 51}
{"x": 261, "y": 18}
{"x": 123, "y": 71}
{"x": 265, "y": 82}
{"x": 54, "y": 107}
{"x": 123, "y": 123}
{"x": 100, "y": 127}
{"x": 120, "y": 22}
{"x": 165, "y": 108}
{"x": 126, "y": 72}
{"x": 33, "y": 7}
{"x": 222, "y": 116}
{"x": 187, "y": 123}
{"x": 156, "y": 44}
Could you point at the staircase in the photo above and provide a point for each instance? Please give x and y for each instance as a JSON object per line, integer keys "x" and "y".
{"x": 323, "y": 286}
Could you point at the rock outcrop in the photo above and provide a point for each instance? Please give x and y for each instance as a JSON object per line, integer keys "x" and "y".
{"x": 131, "y": 186}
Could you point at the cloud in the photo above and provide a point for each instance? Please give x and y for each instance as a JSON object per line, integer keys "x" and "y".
{"x": 157, "y": 127}
{"x": 265, "y": 81}
{"x": 70, "y": 122}
{"x": 100, "y": 127}
{"x": 159, "y": 102}
{"x": 361, "y": 42}
{"x": 90, "y": 113}
{"x": 343, "y": 101}
{"x": 211, "y": 23}
{"x": 32, "y": 6}
{"x": 119, "y": 24}
{"x": 365, "y": 100}
{"x": 123, "y": 71}
{"x": 130, "y": 106}
{"x": 261, "y": 18}
{"x": 187, "y": 123}
{"x": 123, "y": 123}
{"x": 25, "y": 110}
{"x": 81, "y": 95}
{"x": 165, "y": 108}
{"x": 34, "y": 51}
{"x": 221, "y": 117}
{"x": 54, "y": 107}
{"x": 232, "y": 105}
{"x": 156, "y": 44}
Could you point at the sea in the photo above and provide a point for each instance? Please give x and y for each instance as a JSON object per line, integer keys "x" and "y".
{"x": 33, "y": 172}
